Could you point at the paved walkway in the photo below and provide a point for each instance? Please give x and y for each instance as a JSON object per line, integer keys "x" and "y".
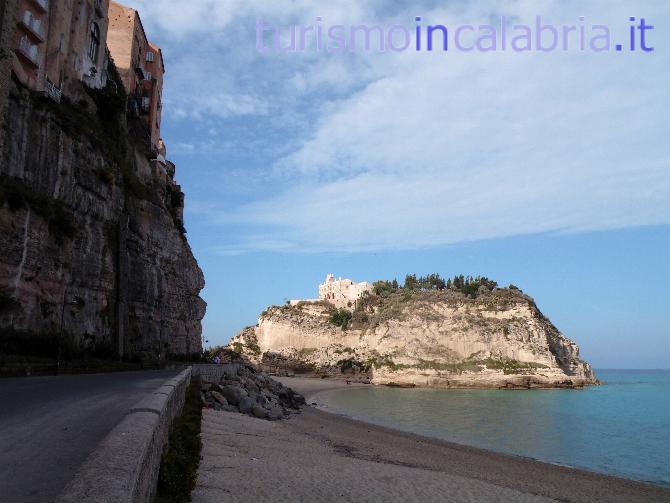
{"x": 49, "y": 425}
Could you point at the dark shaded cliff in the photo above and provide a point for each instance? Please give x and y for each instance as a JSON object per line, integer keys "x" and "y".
{"x": 94, "y": 254}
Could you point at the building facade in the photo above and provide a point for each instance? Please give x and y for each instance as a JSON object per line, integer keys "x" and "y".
{"x": 77, "y": 42}
{"x": 7, "y": 30}
{"x": 29, "y": 42}
{"x": 153, "y": 89}
{"x": 140, "y": 64}
{"x": 58, "y": 43}
{"x": 343, "y": 293}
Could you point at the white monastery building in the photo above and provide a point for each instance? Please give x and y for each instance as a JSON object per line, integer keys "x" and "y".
{"x": 341, "y": 292}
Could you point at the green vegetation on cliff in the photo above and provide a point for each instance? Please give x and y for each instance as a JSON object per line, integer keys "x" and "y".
{"x": 468, "y": 285}
{"x": 179, "y": 465}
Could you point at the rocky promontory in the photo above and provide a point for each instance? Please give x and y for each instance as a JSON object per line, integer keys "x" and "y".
{"x": 449, "y": 337}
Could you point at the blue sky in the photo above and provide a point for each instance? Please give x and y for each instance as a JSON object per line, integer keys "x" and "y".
{"x": 550, "y": 171}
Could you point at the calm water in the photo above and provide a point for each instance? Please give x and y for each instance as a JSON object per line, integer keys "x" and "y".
{"x": 621, "y": 428}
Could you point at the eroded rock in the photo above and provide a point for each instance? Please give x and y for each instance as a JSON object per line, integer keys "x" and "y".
{"x": 251, "y": 392}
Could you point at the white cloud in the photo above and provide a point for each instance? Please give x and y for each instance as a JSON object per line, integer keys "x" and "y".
{"x": 412, "y": 150}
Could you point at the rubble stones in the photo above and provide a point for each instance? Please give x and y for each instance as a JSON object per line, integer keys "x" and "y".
{"x": 251, "y": 392}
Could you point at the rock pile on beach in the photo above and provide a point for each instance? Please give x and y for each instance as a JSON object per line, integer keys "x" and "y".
{"x": 251, "y": 392}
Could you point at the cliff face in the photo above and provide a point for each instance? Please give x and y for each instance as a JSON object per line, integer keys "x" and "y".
{"x": 440, "y": 339}
{"x": 94, "y": 255}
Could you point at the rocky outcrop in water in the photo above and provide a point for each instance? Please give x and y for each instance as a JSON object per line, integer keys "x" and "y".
{"x": 499, "y": 339}
{"x": 95, "y": 258}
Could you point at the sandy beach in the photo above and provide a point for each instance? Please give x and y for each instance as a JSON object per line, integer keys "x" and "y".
{"x": 319, "y": 456}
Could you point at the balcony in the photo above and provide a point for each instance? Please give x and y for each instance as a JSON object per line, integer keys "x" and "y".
{"x": 52, "y": 91}
{"x": 32, "y": 26}
{"x": 42, "y": 5}
{"x": 28, "y": 52}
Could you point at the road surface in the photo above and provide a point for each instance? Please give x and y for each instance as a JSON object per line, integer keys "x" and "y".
{"x": 49, "y": 425}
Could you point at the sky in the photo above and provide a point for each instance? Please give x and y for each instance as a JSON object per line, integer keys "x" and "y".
{"x": 547, "y": 170}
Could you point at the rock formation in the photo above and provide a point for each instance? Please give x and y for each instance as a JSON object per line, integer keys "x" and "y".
{"x": 95, "y": 257}
{"x": 443, "y": 338}
{"x": 246, "y": 390}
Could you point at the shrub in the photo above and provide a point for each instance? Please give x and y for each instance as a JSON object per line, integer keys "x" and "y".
{"x": 471, "y": 286}
{"x": 179, "y": 465}
{"x": 106, "y": 176}
{"x": 384, "y": 287}
{"x": 430, "y": 282}
{"x": 353, "y": 365}
{"x": 253, "y": 347}
{"x": 341, "y": 317}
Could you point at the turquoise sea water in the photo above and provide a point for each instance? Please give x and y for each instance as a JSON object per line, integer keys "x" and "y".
{"x": 621, "y": 428}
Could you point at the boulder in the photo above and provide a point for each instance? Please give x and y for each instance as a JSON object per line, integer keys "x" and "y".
{"x": 219, "y": 397}
{"x": 298, "y": 399}
{"x": 234, "y": 394}
{"x": 246, "y": 405}
{"x": 275, "y": 413}
{"x": 252, "y": 387}
{"x": 259, "y": 412}
{"x": 262, "y": 401}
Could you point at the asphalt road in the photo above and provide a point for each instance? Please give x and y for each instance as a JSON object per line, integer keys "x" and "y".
{"x": 49, "y": 425}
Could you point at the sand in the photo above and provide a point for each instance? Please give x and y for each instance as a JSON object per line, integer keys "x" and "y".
{"x": 317, "y": 456}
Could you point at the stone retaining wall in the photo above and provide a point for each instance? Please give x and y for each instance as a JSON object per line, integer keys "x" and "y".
{"x": 124, "y": 467}
{"x": 214, "y": 373}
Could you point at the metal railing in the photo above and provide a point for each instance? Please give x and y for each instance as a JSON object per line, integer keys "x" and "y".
{"x": 52, "y": 91}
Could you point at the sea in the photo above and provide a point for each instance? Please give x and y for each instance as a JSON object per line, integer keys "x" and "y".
{"x": 621, "y": 428}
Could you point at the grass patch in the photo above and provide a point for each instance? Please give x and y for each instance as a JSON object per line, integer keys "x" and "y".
{"x": 468, "y": 365}
{"x": 353, "y": 365}
{"x": 179, "y": 465}
{"x": 253, "y": 348}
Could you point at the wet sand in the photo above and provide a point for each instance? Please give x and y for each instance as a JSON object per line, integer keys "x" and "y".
{"x": 318, "y": 456}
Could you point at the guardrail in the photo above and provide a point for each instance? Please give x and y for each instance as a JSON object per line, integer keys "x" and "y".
{"x": 124, "y": 467}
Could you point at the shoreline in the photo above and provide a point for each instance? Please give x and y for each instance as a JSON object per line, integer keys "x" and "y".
{"x": 317, "y": 390}
{"x": 313, "y": 389}
{"x": 322, "y": 456}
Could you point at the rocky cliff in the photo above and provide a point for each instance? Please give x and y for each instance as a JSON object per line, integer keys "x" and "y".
{"x": 94, "y": 254}
{"x": 445, "y": 338}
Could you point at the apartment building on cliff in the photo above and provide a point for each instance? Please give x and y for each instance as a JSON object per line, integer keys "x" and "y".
{"x": 59, "y": 42}
{"x": 140, "y": 64}
{"x": 7, "y": 27}
{"x": 56, "y": 44}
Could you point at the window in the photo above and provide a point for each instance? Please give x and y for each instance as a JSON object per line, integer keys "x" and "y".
{"x": 94, "y": 44}
{"x": 147, "y": 75}
{"x": 150, "y": 57}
